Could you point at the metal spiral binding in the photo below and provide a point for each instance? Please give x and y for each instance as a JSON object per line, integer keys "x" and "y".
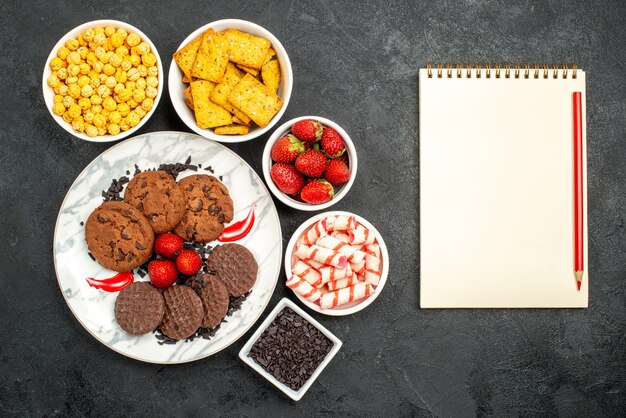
{"x": 498, "y": 71}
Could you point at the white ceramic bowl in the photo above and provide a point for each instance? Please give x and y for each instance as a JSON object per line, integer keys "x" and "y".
{"x": 176, "y": 85}
{"x": 357, "y": 305}
{"x": 340, "y": 191}
{"x": 293, "y": 394}
{"x": 48, "y": 93}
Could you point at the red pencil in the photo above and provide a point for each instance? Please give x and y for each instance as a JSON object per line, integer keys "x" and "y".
{"x": 578, "y": 188}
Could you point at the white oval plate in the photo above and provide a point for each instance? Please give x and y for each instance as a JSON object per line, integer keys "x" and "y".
{"x": 94, "y": 308}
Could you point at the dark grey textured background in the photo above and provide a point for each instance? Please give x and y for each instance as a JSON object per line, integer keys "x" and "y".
{"x": 355, "y": 63}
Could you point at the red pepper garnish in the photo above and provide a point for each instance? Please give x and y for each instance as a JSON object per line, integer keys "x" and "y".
{"x": 238, "y": 230}
{"x": 112, "y": 284}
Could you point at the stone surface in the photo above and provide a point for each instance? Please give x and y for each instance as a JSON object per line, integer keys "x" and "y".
{"x": 356, "y": 63}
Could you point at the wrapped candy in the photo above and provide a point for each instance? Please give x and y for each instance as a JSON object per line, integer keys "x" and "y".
{"x": 308, "y": 273}
{"x": 372, "y": 249}
{"x": 341, "y": 236}
{"x": 329, "y": 273}
{"x": 354, "y": 254}
{"x": 303, "y": 288}
{"x": 316, "y": 231}
{"x": 372, "y": 269}
{"x": 345, "y": 295}
{"x": 321, "y": 254}
{"x": 361, "y": 236}
{"x": 358, "y": 267}
{"x": 345, "y": 282}
{"x": 340, "y": 223}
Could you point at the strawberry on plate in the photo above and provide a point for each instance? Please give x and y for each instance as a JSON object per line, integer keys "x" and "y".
{"x": 317, "y": 192}
{"x": 286, "y": 149}
{"x": 287, "y": 178}
{"x": 311, "y": 163}
{"x": 188, "y": 262}
{"x": 167, "y": 245}
{"x": 332, "y": 143}
{"x": 307, "y": 130}
{"x": 163, "y": 273}
{"x": 337, "y": 172}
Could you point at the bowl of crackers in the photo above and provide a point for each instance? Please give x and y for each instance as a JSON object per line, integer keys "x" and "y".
{"x": 103, "y": 80}
{"x": 230, "y": 80}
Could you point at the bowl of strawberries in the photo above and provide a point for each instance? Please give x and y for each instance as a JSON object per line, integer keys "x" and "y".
{"x": 309, "y": 163}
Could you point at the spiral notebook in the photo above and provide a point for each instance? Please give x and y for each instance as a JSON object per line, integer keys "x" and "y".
{"x": 496, "y": 187}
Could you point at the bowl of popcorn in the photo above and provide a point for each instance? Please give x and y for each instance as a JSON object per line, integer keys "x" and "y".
{"x": 103, "y": 80}
{"x": 230, "y": 80}
{"x": 336, "y": 263}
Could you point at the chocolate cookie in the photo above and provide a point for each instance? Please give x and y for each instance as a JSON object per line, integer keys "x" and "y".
{"x": 139, "y": 308}
{"x": 119, "y": 236}
{"x": 209, "y": 206}
{"x": 183, "y": 312}
{"x": 157, "y": 195}
{"x": 236, "y": 267}
{"x": 214, "y": 298}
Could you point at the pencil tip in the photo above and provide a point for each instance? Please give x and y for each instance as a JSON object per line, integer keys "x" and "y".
{"x": 578, "y": 283}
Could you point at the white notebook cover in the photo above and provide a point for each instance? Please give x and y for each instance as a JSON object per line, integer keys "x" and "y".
{"x": 496, "y": 191}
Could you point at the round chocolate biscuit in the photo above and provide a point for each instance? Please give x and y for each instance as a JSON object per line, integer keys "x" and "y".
{"x": 236, "y": 267}
{"x": 209, "y": 206}
{"x": 139, "y": 308}
{"x": 159, "y": 197}
{"x": 183, "y": 312}
{"x": 119, "y": 236}
{"x": 214, "y": 298}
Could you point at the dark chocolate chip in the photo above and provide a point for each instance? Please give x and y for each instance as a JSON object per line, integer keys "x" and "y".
{"x": 140, "y": 246}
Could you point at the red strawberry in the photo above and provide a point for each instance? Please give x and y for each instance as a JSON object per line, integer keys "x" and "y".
{"x": 317, "y": 192}
{"x": 162, "y": 273}
{"x": 188, "y": 262}
{"x": 311, "y": 163}
{"x": 286, "y": 149}
{"x": 332, "y": 143}
{"x": 167, "y": 245}
{"x": 337, "y": 172}
{"x": 307, "y": 130}
{"x": 287, "y": 178}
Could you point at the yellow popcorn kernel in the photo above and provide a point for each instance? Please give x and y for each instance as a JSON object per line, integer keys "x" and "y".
{"x": 73, "y": 58}
{"x": 140, "y": 111}
{"x": 151, "y": 92}
{"x": 118, "y": 87}
{"x": 108, "y": 45}
{"x": 96, "y": 109}
{"x": 135, "y": 60}
{"x": 117, "y": 40}
{"x": 98, "y": 67}
{"x": 72, "y": 44}
{"x": 114, "y": 129}
{"x": 134, "y": 51}
{"x": 153, "y": 71}
{"x": 122, "y": 51}
{"x": 103, "y": 91}
{"x": 105, "y": 113}
{"x": 115, "y": 117}
{"x": 99, "y": 38}
{"x": 148, "y": 59}
{"x": 108, "y": 69}
{"x": 139, "y": 95}
{"x": 120, "y": 76}
{"x": 63, "y": 52}
{"x": 141, "y": 83}
{"x": 110, "y": 82}
{"x": 58, "y": 98}
{"x": 132, "y": 103}
{"x": 110, "y": 30}
{"x": 126, "y": 65}
{"x": 123, "y": 108}
{"x": 143, "y": 70}
{"x": 71, "y": 80}
{"x": 103, "y": 78}
{"x": 95, "y": 99}
{"x": 74, "y": 90}
{"x": 109, "y": 104}
{"x": 67, "y": 117}
{"x": 99, "y": 121}
{"x": 86, "y": 91}
{"x": 130, "y": 85}
{"x": 74, "y": 111}
{"x": 73, "y": 70}
{"x": 100, "y": 52}
{"x": 106, "y": 57}
{"x": 56, "y": 64}
{"x": 88, "y": 35}
{"x": 143, "y": 48}
{"x": 89, "y": 116}
{"x": 81, "y": 40}
{"x": 83, "y": 80}
{"x": 133, "y": 39}
{"x": 147, "y": 104}
{"x": 94, "y": 81}
{"x": 152, "y": 81}
{"x": 102, "y": 130}
{"x": 84, "y": 103}
{"x": 93, "y": 74}
{"x": 133, "y": 74}
{"x": 133, "y": 119}
{"x": 68, "y": 101}
{"x": 124, "y": 126}
{"x": 62, "y": 90}
{"x": 122, "y": 32}
{"x": 84, "y": 68}
{"x": 91, "y": 130}
{"x": 58, "y": 109}
{"x": 83, "y": 51}
{"x": 78, "y": 124}
{"x": 116, "y": 60}
{"x": 98, "y": 30}
{"x": 53, "y": 81}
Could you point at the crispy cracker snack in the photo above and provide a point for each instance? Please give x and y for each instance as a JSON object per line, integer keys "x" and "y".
{"x": 270, "y": 73}
{"x": 247, "y": 50}
{"x": 211, "y": 58}
{"x": 208, "y": 114}
{"x": 231, "y": 130}
{"x": 255, "y": 100}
